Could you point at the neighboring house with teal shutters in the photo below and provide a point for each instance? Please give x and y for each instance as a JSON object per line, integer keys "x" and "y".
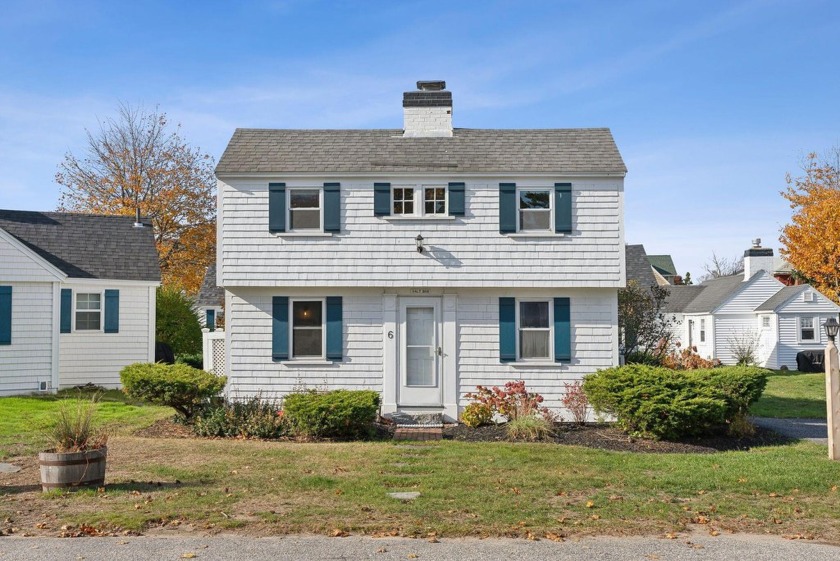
{"x": 210, "y": 301}
{"x": 77, "y": 299}
{"x": 419, "y": 262}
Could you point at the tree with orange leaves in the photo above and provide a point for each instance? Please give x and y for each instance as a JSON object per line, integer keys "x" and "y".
{"x": 136, "y": 162}
{"x": 812, "y": 241}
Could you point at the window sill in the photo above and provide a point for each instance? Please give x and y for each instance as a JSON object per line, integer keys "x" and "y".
{"x": 303, "y": 234}
{"x": 538, "y": 364}
{"x": 307, "y": 362}
{"x": 418, "y": 218}
{"x": 545, "y": 235}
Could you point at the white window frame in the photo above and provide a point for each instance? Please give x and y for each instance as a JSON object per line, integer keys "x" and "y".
{"x": 551, "y": 205}
{"x": 419, "y": 199}
{"x": 702, "y": 328}
{"x": 550, "y": 302}
{"x": 762, "y": 320}
{"x": 323, "y": 355}
{"x": 289, "y": 191}
{"x": 815, "y": 325}
{"x": 76, "y": 309}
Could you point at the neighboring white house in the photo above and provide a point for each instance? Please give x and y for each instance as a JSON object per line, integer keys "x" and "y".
{"x": 77, "y": 299}
{"x": 210, "y": 302}
{"x": 419, "y": 262}
{"x": 751, "y": 309}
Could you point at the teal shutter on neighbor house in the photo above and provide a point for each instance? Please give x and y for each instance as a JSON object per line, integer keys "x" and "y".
{"x": 563, "y": 207}
{"x": 5, "y": 315}
{"x": 112, "y": 311}
{"x": 456, "y": 199}
{"x": 280, "y": 328}
{"x": 381, "y": 199}
{"x": 507, "y": 208}
{"x": 334, "y": 328}
{"x": 332, "y": 207}
{"x": 562, "y": 330}
{"x": 276, "y": 207}
{"x": 507, "y": 329}
{"x": 210, "y": 320}
{"x": 66, "y": 317}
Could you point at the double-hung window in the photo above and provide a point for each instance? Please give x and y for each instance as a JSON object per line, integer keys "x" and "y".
{"x": 88, "y": 311}
{"x": 307, "y": 329}
{"x": 807, "y": 333}
{"x": 305, "y": 209}
{"x": 534, "y": 327}
{"x": 534, "y": 210}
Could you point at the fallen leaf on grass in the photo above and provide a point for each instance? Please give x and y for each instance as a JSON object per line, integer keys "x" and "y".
{"x": 553, "y": 537}
{"x": 412, "y": 556}
{"x": 590, "y": 504}
{"x": 339, "y": 533}
{"x": 714, "y": 533}
{"x": 671, "y": 536}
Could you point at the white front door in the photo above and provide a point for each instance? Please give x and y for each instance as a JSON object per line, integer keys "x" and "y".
{"x": 420, "y": 353}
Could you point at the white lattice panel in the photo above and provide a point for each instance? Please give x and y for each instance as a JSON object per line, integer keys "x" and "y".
{"x": 219, "y": 356}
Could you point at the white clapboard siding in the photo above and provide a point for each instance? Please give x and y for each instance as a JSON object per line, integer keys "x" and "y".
{"x": 20, "y": 264}
{"x": 754, "y": 293}
{"x": 28, "y": 360}
{"x": 789, "y": 340}
{"x": 465, "y": 251}
{"x": 97, "y": 357}
{"x": 728, "y": 329}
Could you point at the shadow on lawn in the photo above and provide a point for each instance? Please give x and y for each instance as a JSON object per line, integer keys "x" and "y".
{"x": 122, "y": 487}
{"x": 789, "y": 407}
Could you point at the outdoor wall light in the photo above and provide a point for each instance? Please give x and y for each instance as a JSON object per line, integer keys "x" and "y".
{"x": 831, "y": 328}
{"x": 418, "y": 241}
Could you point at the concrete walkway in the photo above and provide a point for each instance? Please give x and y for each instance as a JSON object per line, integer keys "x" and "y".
{"x": 690, "y": 547}
{"x": 815, "y": 430}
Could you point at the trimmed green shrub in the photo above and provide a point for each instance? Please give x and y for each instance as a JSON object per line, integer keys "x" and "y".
{"x": 182, "y": 387}
{"x": 176, "y": 322}
{"x": 335, "y": 414}
{"x": 657, "y": 402}
{"x": 253, "y": 418}
{"x": 196, "y": 360}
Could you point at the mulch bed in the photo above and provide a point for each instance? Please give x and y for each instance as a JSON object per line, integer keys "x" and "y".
{"x": 601, "y": 436}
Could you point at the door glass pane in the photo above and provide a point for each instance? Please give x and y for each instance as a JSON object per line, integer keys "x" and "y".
{"x": 533, "y": 314}
{"x": 420, "y": 326}
{"x": 420, "y": 366}
{"x": 533, "y": 344}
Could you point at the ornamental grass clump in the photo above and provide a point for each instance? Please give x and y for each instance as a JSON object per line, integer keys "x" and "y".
{"x": 75, "y": 429}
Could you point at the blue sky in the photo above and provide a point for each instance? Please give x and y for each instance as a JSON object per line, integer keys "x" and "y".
{"x": 711, "y": 103}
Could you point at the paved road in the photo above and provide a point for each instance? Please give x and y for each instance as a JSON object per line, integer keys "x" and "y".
{"x": 738, "y": 547}
{"x": 814, "y": 430}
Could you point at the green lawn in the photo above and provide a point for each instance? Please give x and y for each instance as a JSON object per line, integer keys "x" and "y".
{"x": 25, "y": 420}
{"x": 792, "y": 395}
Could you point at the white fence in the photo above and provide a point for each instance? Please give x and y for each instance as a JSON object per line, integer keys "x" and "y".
{"x": 214, "y": 351}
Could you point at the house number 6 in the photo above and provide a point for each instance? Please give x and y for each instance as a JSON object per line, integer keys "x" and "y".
{"x": 390, "y": 335}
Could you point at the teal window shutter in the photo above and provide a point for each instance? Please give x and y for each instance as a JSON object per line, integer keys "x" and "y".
{"x": 66, "y": 321}
{"x": 112, "y": 311}
{"x": 562, "y": 330}
{"x": 563, "y": 207}
{"x": 507, "y": 329}
{"x": 5, "y": 315}
{"x": 381, "y": 199}
{"x": 332, "y": 207}
{"x": 507, "y": 208}
{"x": 276, "y": 207}
{"x": 210, "y": 320}
{"x": 334, "y": 328}
{"x": 456, "y": 199}
{"x": 280, "y": 328}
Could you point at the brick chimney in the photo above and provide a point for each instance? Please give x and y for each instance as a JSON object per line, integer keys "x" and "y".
{"x": 427, "y": 112}
{"x": 757, "y": 259}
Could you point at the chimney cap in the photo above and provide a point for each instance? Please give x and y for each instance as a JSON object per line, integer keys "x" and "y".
{"x": 431, "y": 85}
{"x": 756, "y": 243}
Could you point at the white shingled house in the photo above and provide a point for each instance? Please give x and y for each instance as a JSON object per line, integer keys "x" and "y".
{"x": 751, "y": 309}
{"x": 422, "y": 261}
{"x": 77, "y": 299}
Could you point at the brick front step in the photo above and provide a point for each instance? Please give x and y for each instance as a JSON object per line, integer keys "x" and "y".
{"x": 418, "y": 433}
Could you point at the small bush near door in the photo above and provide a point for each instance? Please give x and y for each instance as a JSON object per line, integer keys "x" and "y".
{"x": 337, "y": 414}
{"x": 661, "y": 403}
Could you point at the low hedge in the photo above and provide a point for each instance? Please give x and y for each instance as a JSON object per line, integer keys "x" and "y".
{"x": 335, "y": 414}
{"x": 180, "y": 386}
{"x": 656, "y": 402}
{"x": 251, "y": 418}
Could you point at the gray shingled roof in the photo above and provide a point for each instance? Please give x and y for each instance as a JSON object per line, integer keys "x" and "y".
{"x": 781, "y": 297}
{"x": 564, "y": 151}
{"x": 638, "y": 267}
{"x": 704, "y": 297}
{"x": 210, "y": 295}
{"x": 87, "y": 245}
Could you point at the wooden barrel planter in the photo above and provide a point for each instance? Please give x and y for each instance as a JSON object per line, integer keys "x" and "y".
{"x": 60, "y": 470}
